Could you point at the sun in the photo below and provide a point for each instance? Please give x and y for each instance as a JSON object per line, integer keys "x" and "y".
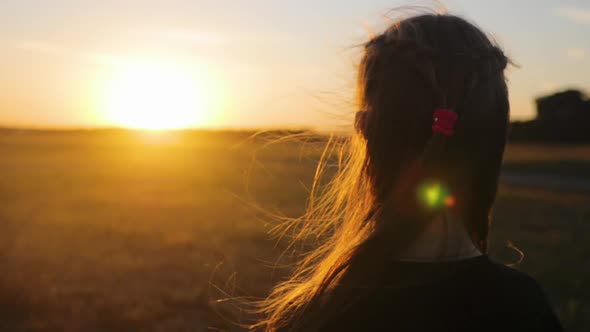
{"x": 150, "y": 94}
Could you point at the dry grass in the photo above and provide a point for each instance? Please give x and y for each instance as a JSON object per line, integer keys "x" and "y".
{"x": 542, "y": 152}
{"x": 118, "y": 231}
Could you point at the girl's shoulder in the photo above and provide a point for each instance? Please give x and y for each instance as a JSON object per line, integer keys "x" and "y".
{"x": 467, "y": 295}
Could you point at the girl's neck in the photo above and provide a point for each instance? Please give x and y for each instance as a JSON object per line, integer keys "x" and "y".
{"x": 445, "y": 239}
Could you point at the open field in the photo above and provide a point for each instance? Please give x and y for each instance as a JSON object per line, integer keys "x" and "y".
{"x": 128, "y": 231}
{"x": 555, "y": 160}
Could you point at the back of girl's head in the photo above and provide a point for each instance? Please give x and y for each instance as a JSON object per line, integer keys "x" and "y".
{"x": 371, "y": 210}
{"x": 416, "y": 66}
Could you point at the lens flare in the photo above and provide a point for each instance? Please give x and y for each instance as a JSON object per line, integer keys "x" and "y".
{"x": 435, "y": 195}
{"x": 450, "y": 201}
{"x": 432, "y": 194}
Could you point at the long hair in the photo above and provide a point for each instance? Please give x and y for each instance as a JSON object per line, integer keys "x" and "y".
{"x": 370, "y": 210}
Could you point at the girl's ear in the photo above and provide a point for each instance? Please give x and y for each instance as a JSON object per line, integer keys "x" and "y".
{"x": 360, "y": 122}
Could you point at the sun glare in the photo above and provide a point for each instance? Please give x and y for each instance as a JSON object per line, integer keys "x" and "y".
{"x": 156, "y": 95}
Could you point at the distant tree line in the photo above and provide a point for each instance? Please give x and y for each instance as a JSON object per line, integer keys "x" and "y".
{"x": 562, "y": 117}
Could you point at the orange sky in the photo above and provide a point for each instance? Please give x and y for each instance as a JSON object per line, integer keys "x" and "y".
{"x": 255, "y": 64}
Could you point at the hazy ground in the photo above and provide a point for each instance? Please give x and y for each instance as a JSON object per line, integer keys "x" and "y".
{"x": 116, "y": 231}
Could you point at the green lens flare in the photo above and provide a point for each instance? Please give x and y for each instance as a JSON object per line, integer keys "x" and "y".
{"x": 433, "y": 194}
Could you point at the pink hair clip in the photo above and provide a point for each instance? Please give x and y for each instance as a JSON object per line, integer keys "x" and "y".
{"x": 444, "y": 121}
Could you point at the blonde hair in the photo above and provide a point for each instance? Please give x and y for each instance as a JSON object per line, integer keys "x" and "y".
{"x": 368, "y": 211}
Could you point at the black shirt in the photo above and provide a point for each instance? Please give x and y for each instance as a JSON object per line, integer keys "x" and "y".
{"x": 474, "y": 294}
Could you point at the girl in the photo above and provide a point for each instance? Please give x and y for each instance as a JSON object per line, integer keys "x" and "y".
{"x": 404, "y": 224}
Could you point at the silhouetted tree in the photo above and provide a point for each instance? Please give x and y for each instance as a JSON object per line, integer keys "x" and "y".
{"x": 563, "y": 117}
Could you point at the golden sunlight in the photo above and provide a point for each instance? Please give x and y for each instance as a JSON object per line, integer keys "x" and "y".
{"x": 149, "y": 94}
